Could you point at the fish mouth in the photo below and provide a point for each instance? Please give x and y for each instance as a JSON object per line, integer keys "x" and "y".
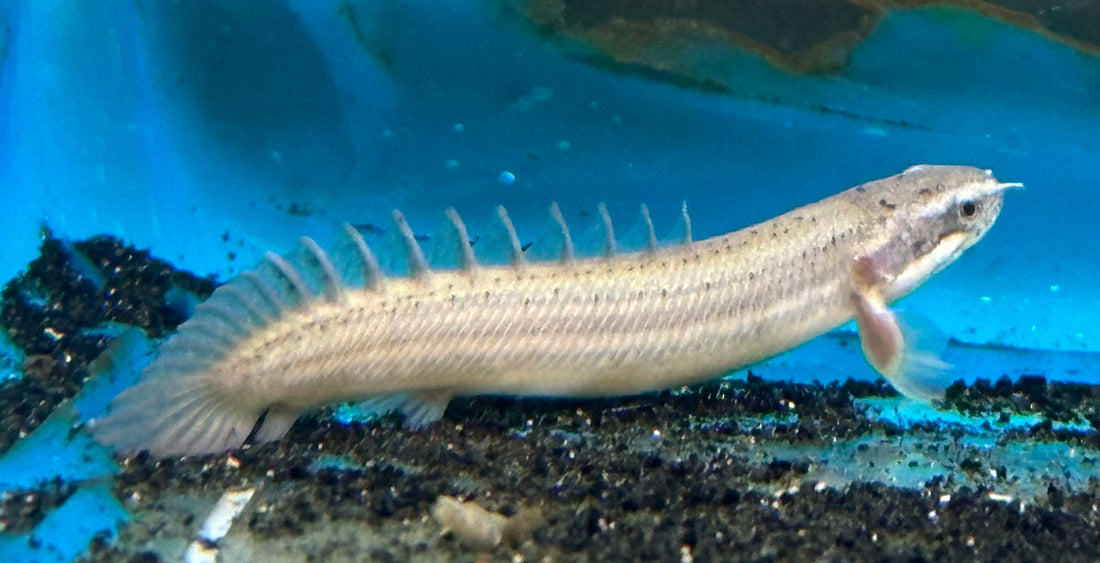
{"x": 947, "y": 249}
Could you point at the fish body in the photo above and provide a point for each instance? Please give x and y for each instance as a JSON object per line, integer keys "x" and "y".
{"x": 304, "y": 331}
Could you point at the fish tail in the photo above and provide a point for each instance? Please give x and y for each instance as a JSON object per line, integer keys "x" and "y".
{"x": 175, "y": 415}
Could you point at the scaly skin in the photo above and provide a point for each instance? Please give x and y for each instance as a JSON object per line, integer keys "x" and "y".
{"x": 614, "y": 325}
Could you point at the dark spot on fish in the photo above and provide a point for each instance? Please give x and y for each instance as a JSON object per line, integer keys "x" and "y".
{"x": 886, "y": 204}
{"x": 860, "y": 189}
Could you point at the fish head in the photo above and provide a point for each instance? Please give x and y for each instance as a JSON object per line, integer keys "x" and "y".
{"x": 931, "y": 215}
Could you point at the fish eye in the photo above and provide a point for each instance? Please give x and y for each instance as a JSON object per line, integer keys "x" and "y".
{"x": 969, "y": 208}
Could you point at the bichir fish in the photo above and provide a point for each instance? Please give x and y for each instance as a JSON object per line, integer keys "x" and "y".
{"x": 316, "y": 327}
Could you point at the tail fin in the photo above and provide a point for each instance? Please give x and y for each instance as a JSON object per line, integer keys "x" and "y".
{"x": 180, "y": 414}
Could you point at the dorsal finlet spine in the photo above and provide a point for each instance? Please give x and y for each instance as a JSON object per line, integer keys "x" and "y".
{"x": 418, "y": 263}
{"x": 609, "y": 231}
{"x": 687, "y": 222}
{"x": 218, "y": 311}
{"x": 567, "y": 254}
{"x": 333, "y": 286}
{"x": 517, "y": 250}
{"x": 266, "y": 292}
{"x": 651, "y": 236}
{"x": 465, "y": 251}
{"x": 290, "y": 274}
{"x": 235, "y": 292}
{"x": 372, "y": 270}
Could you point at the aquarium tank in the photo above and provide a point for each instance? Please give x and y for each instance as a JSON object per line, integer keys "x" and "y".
{"x": 161, "y": 164}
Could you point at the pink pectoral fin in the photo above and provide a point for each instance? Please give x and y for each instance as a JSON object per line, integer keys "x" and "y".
{"x": 891, "y": 350}
{"x": 879, "y": 333}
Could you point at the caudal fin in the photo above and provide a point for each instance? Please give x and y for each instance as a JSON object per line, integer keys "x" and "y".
{"x": 173, "y": 416}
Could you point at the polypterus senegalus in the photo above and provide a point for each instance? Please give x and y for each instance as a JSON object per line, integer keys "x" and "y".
{"x": 312, "y": 328}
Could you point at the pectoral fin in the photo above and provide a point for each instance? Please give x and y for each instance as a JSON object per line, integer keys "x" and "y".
{"x": 891, "y": 349}
{"x": 879, "y": 332}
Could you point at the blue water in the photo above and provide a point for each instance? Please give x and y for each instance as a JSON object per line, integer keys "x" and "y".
{"x": 173, "y": 125}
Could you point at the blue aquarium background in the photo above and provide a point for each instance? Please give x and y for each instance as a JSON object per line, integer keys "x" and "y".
{"x": 210, "y": 132}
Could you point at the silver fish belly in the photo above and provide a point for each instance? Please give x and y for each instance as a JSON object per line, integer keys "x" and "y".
{"x": 313, "y": 328}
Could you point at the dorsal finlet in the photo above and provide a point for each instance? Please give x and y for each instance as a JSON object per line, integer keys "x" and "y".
{"x": 257, "y": 316}
{"x": 290, "y": 274}
{"x": 513, "y": 239}
{"x": 265, "y": 291}
{"x": 687, "y": 222}
{"x": 466, "y": 258}
{"x": 567, "y": 254}
{"x": 372, "y": 270}
{"x": 609, "y": 231}
{"x": 333, "y": 285}
{"x": 418, "y": 264}
{"x": 651, "y": 238}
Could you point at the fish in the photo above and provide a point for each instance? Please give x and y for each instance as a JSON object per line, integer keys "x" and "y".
{"x": 629, "y": 315}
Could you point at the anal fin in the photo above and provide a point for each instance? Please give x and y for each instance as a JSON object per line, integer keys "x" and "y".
{"x": 420, "y": 408}
{"x": 424, "y": 407}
